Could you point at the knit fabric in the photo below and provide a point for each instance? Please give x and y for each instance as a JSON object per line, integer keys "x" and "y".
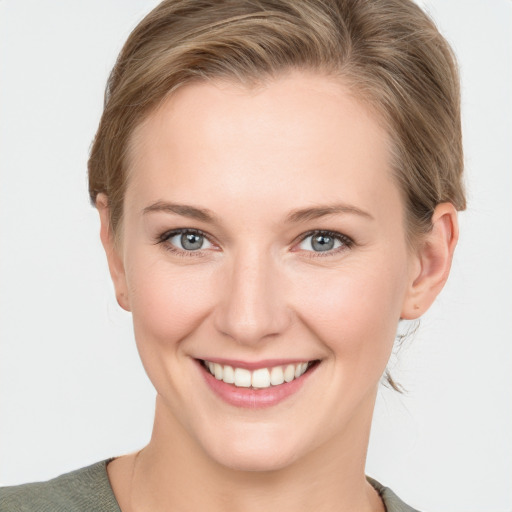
{"x": 392, "y": 502}
{"x": 89, "y": 490}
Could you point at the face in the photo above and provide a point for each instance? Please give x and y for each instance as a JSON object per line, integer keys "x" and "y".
{"x": 263, "y": 240}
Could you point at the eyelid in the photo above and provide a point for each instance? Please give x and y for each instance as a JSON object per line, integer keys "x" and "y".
{"x": 179, "y": 231}
{"x": 345, "y": 240}
{"x": 164, "y": 238}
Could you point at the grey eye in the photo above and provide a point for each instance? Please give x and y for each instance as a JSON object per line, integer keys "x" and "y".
{"x": 189, "y": 241}
{"x": 320, "y": 242}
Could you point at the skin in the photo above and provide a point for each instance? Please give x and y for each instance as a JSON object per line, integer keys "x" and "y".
{"x": 257, "y": 290}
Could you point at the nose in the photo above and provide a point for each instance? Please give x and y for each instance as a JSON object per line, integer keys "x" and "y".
{"x": 252, "y": 306}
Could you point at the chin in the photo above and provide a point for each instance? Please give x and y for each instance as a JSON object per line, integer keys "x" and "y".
{"x": 254, "y": 460}
{"x": 260, "y": 452}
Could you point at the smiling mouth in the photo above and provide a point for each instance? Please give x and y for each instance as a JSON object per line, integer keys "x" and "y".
{"x": 261, "y": 378}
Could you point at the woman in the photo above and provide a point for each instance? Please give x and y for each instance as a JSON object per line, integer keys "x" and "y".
{"x": 278, "y": 186}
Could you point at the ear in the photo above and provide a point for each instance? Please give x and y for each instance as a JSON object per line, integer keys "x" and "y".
{"x": 433, "y": 260}
{"x": 114, "y": 257}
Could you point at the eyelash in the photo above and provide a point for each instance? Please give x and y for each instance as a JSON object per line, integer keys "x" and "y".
{"x": 346, "y": 242}
{"x": 164, "y": 238}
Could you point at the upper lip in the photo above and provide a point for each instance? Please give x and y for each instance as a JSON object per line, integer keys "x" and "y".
{"x": 254, "y": 365}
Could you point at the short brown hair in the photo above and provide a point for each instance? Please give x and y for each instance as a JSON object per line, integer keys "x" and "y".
{"x": 389, "y": 52}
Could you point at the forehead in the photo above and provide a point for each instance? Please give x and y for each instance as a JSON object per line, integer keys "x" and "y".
{"x": 299, "y": 138}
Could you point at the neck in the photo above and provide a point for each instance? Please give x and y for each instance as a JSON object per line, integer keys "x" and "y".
{"x": 174, "y": 469}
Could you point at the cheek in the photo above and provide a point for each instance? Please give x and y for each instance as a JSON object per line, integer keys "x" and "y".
{"x": 168, "y": 302}
{"x": 354, "y": 310}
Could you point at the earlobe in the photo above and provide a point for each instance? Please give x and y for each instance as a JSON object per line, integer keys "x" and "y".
{"x": 114, "y": 259}
{"x": 434, "y": 259}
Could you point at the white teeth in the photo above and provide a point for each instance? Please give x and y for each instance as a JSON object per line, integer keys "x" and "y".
{"x": 276, "y": 376}
{"x": 289, "y": 373}
{"x": 217, "y": 371}
{"x": 242, "y": 378}
{"x": 229, "y": 375}
{"x": 260, "y": 378}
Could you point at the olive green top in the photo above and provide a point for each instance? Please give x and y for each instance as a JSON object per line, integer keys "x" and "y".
{"x": 88, "y": 490}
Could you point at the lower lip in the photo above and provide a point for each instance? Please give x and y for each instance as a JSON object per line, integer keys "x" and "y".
{"x": 254, "y": 398}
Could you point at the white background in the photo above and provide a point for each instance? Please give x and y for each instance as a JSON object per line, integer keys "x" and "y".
{"x": 72, "y": 390}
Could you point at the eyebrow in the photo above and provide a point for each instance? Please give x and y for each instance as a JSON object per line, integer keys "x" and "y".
{"x": 184, "y": 210}
{"x": 306, "y": 214}
{"x": 294, "y": 217}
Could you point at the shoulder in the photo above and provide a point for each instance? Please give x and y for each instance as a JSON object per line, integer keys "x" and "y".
{"x": 79, "y": 491}
{"x": 391, "y": 501}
